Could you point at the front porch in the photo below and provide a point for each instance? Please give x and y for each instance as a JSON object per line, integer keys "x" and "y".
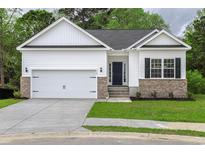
{"x": 118, "y": 74}
{"x": 118, "y": 68}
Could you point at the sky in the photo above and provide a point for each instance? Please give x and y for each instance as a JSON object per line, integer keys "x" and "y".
{"x": 176, "y": 18}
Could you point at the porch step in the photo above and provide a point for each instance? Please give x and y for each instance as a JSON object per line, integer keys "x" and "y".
{"x": 119, "y": 96}
{"x": 118, "y": 91}
{"x": 118, "y": 88}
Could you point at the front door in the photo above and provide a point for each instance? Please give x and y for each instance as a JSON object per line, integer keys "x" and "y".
{"x": 117, "y": 73}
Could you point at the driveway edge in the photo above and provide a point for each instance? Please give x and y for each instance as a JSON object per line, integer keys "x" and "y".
{"x": 121, "y": 135}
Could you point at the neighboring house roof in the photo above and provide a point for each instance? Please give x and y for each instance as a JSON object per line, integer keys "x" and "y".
{"x": 120, "y": 38}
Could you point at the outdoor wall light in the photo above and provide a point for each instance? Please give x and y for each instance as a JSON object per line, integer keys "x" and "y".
{"x": 26, "y": 69}
{"x": 101, "y": 69}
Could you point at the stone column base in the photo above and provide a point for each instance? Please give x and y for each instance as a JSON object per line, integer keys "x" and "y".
{"x": 25, "y": 87}
{"x": 163, "y": 88}
{"x": 102, "y": 88}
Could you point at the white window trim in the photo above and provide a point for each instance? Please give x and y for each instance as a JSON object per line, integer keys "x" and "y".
{"x": 156, "y": 68}
{"x": 162, "y": 68}
{"x": 110, "y": 73}
{"x": 168, "y": 68}
{"x": 124, "y": 69}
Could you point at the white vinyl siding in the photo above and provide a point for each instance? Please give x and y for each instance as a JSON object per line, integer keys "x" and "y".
{"x": 64, "y": 60}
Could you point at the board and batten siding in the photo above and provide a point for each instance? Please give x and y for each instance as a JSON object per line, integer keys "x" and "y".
{"x": 137, "y": 63}
{"x": 64, "y": 59}
{"x": 163, "y": 40}
{"x": 64, "y": 34}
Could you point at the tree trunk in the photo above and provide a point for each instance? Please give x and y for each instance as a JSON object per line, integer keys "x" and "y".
{"x": 2, "y": 76}
{"x": 2, "y": 82}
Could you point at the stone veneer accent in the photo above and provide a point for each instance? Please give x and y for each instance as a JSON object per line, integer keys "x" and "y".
{"x": 163, "y": 88}
{"x": 102, "y": 88}
{"x": 25, "y": 87}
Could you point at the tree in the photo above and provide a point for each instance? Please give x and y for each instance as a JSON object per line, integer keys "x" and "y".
{"x": 33, "y": 22}
{"x": 6, "y": 38}
{"x": 14, "y": 30}
{"x": 127, "y": 19}
{"x": 24, "y": 27}
{"x": 195, "y": 36}
{"x": 80, "y": 16}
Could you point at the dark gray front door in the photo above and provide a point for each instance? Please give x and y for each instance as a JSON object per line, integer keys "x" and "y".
{"x": 117, "y": 73}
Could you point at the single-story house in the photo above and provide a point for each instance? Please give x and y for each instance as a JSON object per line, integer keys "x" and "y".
{"x": 66, "y": 61}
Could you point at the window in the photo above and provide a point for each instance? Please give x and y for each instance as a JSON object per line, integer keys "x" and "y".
{"x": 156, "y": 68}
{"x": 168, "y": 68}
{"x": 110, "y": 72}
{"x": 124, "y": 73}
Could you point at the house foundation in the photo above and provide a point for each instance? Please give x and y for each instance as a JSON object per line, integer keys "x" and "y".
{"x": 163, "y": 88}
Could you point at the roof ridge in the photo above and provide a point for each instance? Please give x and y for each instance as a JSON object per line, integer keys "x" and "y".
{"x": 119, "y": 29}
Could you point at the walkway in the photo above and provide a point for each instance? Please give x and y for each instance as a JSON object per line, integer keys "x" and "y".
{"x": 144, "y": 123}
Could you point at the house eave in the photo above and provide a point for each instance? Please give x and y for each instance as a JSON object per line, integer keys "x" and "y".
{"x": 62, "y": 49}
{"x": 117, "y": 52}
{"x": 154, "y": 49}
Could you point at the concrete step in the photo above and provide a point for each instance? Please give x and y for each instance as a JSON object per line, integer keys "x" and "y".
{"x": 119, "y": 92}
{"x": 118, "y": 89}
{"x": 119, "y": 96}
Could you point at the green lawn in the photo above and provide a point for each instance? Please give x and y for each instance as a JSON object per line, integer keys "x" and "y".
{"x": 7, "y": 102}
{"x": 163, "y": 110}
{"x": 145, "y": 130}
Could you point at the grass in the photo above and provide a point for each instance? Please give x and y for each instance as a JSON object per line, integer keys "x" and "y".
{"x": 7, "y": 102}
{"x": 145, "y": 130}
{"x": 162, "y": 110}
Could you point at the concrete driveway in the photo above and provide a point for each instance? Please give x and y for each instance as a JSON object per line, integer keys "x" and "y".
{"x": 44, "y": 115}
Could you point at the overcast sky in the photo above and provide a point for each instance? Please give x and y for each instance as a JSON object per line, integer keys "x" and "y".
{"x": 177, "y": 19}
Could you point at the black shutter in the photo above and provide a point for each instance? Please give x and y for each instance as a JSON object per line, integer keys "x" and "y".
{"x": 147, "y": 67}
{"x": 178, "y": 67}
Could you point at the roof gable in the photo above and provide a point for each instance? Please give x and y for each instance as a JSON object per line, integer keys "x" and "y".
{"x": 163, "y": 39}
{"x": 62, "y": 33}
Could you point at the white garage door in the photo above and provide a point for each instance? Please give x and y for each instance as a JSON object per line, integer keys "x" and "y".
{"x": 64, "y": 84}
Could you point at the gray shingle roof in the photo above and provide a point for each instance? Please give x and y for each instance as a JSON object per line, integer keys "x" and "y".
{"x": 119, "y": 39}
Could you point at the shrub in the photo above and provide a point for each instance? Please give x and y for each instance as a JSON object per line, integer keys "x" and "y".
{"x": 171, "y": 95}
{"x": 6, "y": 93}
{"x": 154, "y": 94}
{"x": 196, "y": 82}
{"x": 17, "y": 94}
{"x": 190, "y": 95}
{"x": 138, "y": 94}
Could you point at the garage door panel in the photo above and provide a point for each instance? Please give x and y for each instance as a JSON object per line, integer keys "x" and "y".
{"x": 64, "y": 84}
